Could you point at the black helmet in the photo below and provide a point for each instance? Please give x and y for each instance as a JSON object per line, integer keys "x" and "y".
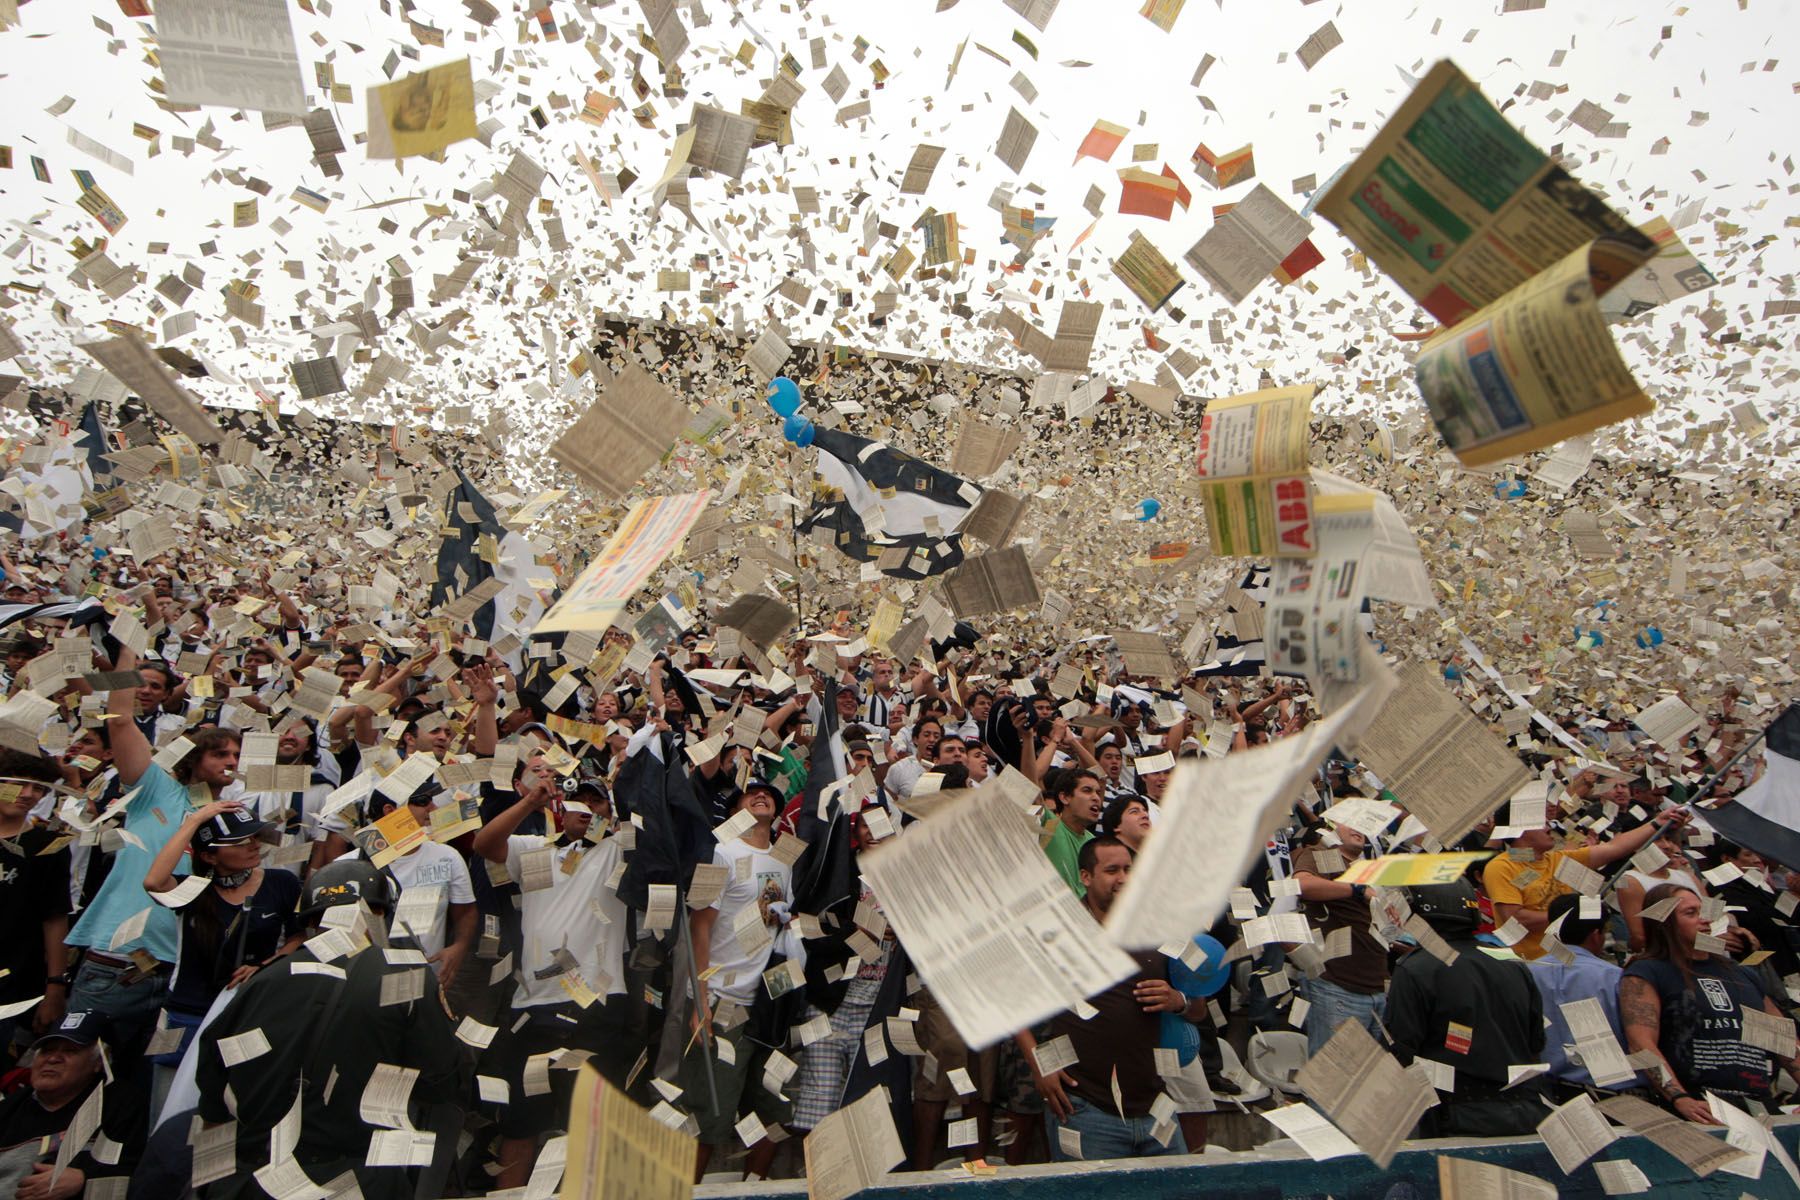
{"x": 1451, "y": 909}
{"x": 345, "y": 882}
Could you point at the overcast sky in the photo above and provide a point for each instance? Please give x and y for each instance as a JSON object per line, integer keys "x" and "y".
{"x": 1715, "y": 90}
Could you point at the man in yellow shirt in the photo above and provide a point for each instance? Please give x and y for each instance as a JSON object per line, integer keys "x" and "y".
{"x": 1522, "y": 885}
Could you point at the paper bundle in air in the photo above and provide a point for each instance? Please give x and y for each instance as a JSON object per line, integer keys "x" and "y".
{"x": 1512, "y": 254}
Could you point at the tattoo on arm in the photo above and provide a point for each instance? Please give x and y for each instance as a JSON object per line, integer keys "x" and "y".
{"x": 1639, "y": 1004}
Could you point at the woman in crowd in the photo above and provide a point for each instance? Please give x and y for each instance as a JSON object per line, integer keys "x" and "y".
{"x": 1639, "y": 883}
{"x": 1684, "y": 1000}
{"x": 240, "y": 919}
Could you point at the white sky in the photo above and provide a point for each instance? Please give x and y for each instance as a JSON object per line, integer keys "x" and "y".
{"x": 1712, "y": 62}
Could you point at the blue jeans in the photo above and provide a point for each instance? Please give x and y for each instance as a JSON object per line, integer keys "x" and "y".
{"x": 1332, "y": 1006}
{"x": 130, "y": 1008}
{"x": 1105, "y": 1135}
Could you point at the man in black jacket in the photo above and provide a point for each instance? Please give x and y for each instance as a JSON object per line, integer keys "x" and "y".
{"x": 1479, "y": 1015}
{"x": 318, "y": 1030}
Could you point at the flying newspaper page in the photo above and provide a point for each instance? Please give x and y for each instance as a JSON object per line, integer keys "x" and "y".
{"x": 1254, "y": 480}
{"x": 653, "y": 530}
{"x": 994, "y": 931}
{"x": 1438, "y": 758}
{"x": 422, "y": 113}
{"x": 1312, "y": 620}
{"x": 1215, "y": 818}
{"x": 1512, "y": 254}
{"x": 230, "y": 53}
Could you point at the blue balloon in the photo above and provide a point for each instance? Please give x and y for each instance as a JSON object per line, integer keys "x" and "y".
{"x": 1147, "y": 509}
{"x": 1208, "y": 977}
{"x": 1452, "y": 671}
{"x": 783, "y": 396}
{"x": 1652, "y": 636}
{"x": 798, "y": 430}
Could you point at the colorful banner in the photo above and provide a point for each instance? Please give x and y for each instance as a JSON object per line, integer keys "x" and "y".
{"x": 652, "y": 531}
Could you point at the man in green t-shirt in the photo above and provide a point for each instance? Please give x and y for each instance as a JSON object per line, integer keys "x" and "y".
{"x": 1078, "y": 796}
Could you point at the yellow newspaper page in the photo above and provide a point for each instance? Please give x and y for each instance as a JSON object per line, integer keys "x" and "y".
{"x": 652, "y": 531}
{"x": 1536, "y": 366}
{"x": 1457, "y": 205}
{"x": 1254, "y": 480}
{"x": 422, "y": 113}
{"x": 618, "y": 1151}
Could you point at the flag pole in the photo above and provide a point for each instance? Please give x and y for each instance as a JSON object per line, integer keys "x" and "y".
{"x": 1711, "y": 782}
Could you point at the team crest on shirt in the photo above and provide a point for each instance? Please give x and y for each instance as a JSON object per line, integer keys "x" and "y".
{"x": 1715, "y": 994}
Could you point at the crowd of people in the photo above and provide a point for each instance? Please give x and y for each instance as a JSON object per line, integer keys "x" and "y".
{"x": 299, "y": 896}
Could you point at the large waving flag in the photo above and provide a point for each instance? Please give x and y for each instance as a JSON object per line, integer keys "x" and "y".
{"x": 462, "y": 564}
{"x": 1765, "y": 817}
{"x": 897, "y": 510}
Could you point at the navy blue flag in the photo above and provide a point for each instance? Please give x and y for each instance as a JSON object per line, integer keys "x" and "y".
{"x": 460, "y": 566}
{"x": 95, "y": 445}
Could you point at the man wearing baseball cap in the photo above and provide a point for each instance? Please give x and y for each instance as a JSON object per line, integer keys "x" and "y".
{"x": 66, "y": 1068}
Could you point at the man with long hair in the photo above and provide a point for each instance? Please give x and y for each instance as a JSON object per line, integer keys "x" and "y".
{"x": 128, "y": 982}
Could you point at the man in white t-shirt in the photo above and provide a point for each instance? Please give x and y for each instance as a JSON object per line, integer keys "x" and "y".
{"x": 570, "y": 991}
{"x": 432, "y": 865}
{"x": 733, "y": 938}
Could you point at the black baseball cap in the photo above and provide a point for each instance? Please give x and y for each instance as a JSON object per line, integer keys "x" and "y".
{"x": 82, "y": 1028}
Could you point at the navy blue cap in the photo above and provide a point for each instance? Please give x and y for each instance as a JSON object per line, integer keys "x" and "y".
{"x": 226, "y": 828}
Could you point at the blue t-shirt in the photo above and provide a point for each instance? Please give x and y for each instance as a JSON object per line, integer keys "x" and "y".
{"x": 152, "y": 817}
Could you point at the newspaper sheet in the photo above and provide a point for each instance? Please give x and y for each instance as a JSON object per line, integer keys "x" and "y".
{"x": 851, "y": 1149}
{"x": 1674, "y": 272}
{"x": 1441, "y": 763}
{"x": 919, "y": 170}
{"x": 232, "y": 53}
{"x": 1698, "y": 1150}
{"x": 132, "y": 363}
{"x": 1458, "y": 206}
{"x": 1365, "y": 1091}
{"x": 617, "y": 1150}
{"x": 422, "y": 113}
{"x": 981, "y": 449}
{"x": 1392, "y": 567}
{"x": 1017, "y": 137}
{"x": 1215, "y": 818}
{"x": 1076, "y": 326}
{"x": 1469, "y": 1179}
{"x": 1668, "y": 721}
{"x": 941, "y": 245}
{"x": 1537, "y": 365}
{"x": 997, "y": 581}
{"x": 652, "y": 531}
{"x": 1313, "y": 617}
{"x": 1254, "y": 481}
{"x": 1151, "y": 277}
{"x": 1247, "y": 244}
{"x": 996, "y": 517}
{"x": 994, "y": 931}
{"x": 721, "y": 141}
{"x": 623, "y": 434}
